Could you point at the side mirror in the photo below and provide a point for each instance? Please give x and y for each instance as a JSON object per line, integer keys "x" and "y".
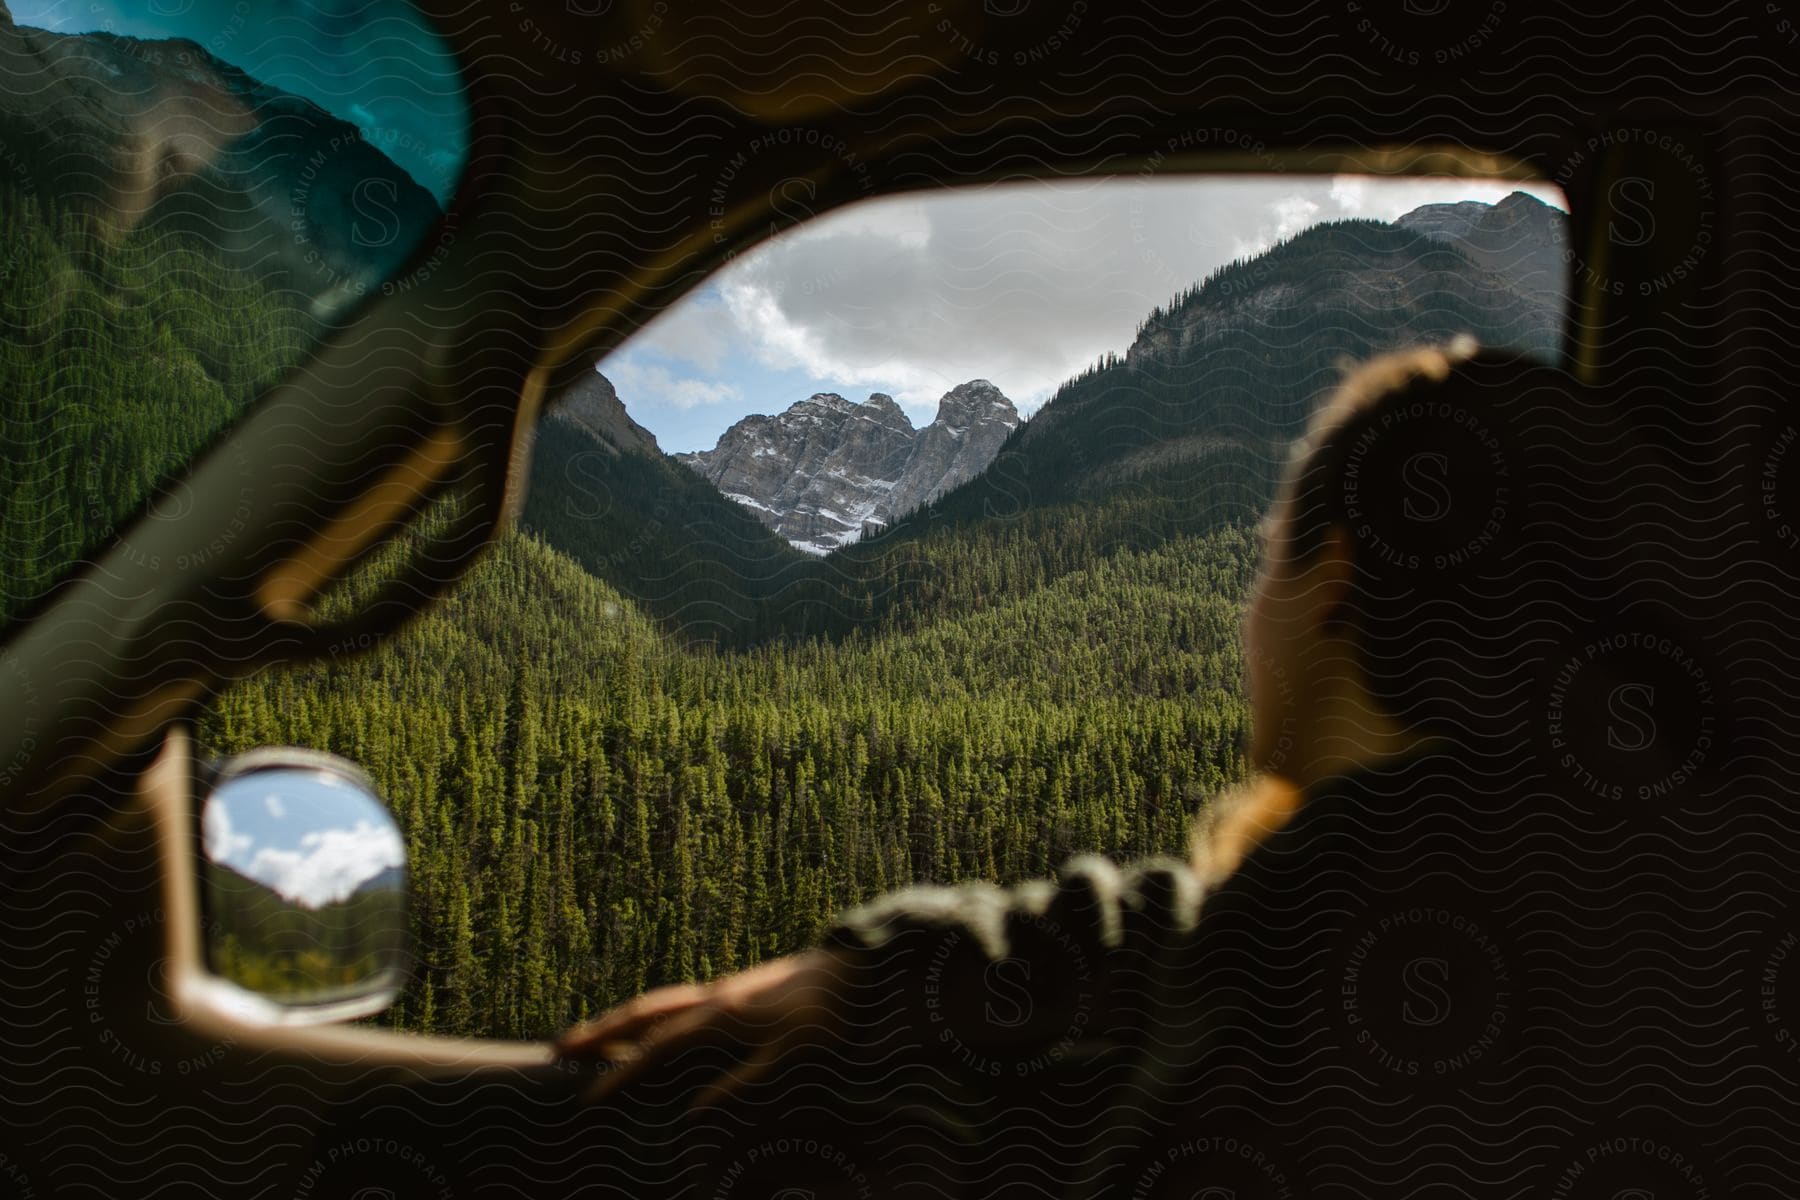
{"x": 302, "y": 889}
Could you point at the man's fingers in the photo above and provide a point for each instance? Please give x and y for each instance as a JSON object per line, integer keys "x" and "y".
{"x": 631, "y": 1020}
{"x": 768, "y": 1008}
{"x": 746, "y": 1074}
{"x": 705, "y": 1025}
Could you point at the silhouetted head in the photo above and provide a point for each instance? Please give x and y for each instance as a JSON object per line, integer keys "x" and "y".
{"x": 1425, "y": 549}
{"x": 1450, "y": 572}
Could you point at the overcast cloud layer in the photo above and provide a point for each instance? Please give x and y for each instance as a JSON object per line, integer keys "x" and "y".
{"x": 1022, "y": 284}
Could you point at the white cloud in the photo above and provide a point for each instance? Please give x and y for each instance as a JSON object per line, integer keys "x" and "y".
{"x": 697, "y": 330}
{"x": 1294, "y": 213}
{"x": 330, "y": 864}
{"x": 222, "y": 842}
{"x": 324, "y": 866}
{"x": 646, "y": 387}
{"x": 1351, "y": 194}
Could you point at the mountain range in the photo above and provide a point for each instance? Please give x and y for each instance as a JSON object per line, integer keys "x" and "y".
{"x": 178, "y": 148}
{"x": 168, "y": 146}
{"x": 828, "y": 471}
{"x": 1184, "y": 431}
{"x": 1201, "y": 406}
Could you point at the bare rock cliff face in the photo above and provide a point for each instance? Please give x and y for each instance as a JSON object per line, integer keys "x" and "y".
{"x": 1522, "y": 239}
{"x": 973, "y": 419}
{"x": 594, "y": 405}
{"x": 827, "y": 468}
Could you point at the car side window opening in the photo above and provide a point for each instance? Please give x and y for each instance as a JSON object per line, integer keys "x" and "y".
{"x": 912, "y": 547}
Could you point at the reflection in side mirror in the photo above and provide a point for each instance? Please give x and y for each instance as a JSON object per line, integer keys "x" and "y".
{"x": 303, "y": 885}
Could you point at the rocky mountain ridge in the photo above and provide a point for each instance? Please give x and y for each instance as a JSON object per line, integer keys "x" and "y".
{"x": 1372, "y": 271}
{"x": 1521, "y": 239}
{"x": 1232, "y": 366}
{"x": 593, "y": 405}
{"x": 827, "y": 469}
{"x": 1198, "y": 413}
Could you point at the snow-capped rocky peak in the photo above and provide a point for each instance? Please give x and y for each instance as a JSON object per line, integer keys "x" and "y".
{"x": 882, "y": 407}
{"x": 825, "y": 469}
{"x": 974, "y": 403}
{"x": 976, "y": 398}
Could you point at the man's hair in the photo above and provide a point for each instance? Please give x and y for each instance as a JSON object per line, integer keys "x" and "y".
{"x": 1466, "y": 487}
{"x": 1316, "y": 461}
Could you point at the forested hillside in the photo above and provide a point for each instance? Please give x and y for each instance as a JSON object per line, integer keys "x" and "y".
{"x": 122, "y": 352}
{"x": 657, "y": 532}
{"x": 1222, "y": 378}
{"x": 591, "y": 808}
{"x": 149, "y": 289}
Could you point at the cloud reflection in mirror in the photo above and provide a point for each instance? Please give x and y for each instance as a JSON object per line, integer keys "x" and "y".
{"x": 320, "y": 858}
{"x": 304, "y": 886}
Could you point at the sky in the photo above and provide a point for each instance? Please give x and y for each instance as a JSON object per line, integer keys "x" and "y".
{"x": 373, "y": 63}
{"x": 308, "y": 835}
{"x": 1020, "y": 284}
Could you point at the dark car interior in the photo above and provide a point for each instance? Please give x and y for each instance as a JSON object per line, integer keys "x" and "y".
{"x": 618, "y": 155}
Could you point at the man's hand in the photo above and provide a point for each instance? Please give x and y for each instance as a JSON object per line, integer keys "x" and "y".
{"x": 769, "y": 1009}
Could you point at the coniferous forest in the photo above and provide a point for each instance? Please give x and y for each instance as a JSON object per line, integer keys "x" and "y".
{"x": 592, "y": 807}
{"x": 623, "y": 756}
